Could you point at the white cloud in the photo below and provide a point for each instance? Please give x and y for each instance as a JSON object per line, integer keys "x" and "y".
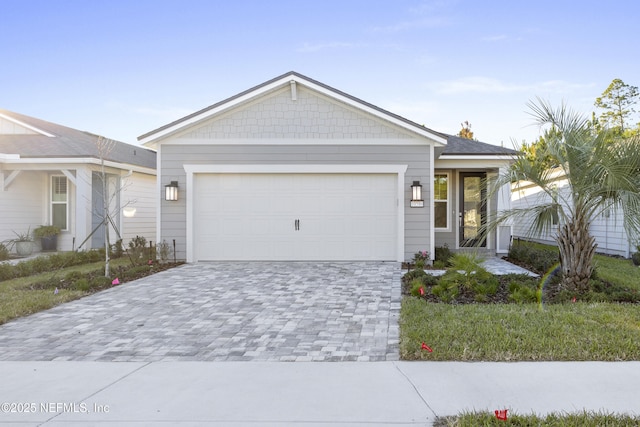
{"x": 315, "y": 47}
{"x": 495, "y": 38}
{"x": 433, "y": 22}
{"x": 489, "y": 85}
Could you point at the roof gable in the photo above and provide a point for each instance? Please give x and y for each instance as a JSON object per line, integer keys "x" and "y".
{"x": 310, "y": 115}
{"x": 320, "y": 101}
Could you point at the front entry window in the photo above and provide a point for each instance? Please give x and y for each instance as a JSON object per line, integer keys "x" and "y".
{"x": 59, "y": 202}
{"x": 441, "y": 200}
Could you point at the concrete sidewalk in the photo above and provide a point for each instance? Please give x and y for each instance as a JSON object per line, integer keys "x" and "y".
{"x": 308, "y": 393}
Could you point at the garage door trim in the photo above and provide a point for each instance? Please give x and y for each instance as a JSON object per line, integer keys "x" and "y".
{"x": 194, "y": 169}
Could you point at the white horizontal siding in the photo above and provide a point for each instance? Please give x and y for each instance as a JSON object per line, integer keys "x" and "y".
{"x": 139, "y": 192}
{"x": 22, "y": 204}
{"x": 606, "y": 228}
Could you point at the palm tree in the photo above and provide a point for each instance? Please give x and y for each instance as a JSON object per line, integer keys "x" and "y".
{"x": 601, "y": 173}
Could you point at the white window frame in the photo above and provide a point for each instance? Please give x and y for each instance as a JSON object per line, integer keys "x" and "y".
{"x": 52, "y": 202}
{"x": 448, "y": 200}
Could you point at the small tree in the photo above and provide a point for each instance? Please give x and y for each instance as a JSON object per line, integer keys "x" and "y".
{"x": 618, "y": 101}
{"x": 466, "y": 131}
{"x": 601, "y": 173}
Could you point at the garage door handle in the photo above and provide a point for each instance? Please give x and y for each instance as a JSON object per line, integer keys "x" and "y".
{"x": 296, "y": 224}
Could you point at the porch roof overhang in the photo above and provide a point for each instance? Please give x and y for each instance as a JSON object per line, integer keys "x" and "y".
{"x": 473, "y": 161}
{"x": 15, "y": 162}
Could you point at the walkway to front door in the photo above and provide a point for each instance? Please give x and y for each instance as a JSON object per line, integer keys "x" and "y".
{"x": 224, "y": 311}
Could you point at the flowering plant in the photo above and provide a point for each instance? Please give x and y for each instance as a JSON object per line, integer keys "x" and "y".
{"x": 421, "y": 256}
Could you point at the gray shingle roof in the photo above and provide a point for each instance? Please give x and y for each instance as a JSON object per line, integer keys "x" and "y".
{"x": 68, "y": 143}
{"x": 457, "y": 146}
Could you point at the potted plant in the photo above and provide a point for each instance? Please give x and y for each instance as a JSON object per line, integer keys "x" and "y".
{"x": 48, "y": 235}
{"x": 23, "y": 243}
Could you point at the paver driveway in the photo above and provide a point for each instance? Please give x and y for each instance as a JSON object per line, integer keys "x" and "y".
{"x": 224, "y": 311}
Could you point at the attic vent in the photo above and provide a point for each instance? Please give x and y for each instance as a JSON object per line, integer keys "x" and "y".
{"x": 294, "y": 95}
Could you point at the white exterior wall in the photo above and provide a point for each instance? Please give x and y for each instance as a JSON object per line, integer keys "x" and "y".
{"x": 607, "y": 229}
{"x": 139, "y": 192}
{"x": 21, "y": 203}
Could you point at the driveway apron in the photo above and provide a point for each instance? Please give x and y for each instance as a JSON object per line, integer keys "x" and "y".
{"x": 333, "y": 311}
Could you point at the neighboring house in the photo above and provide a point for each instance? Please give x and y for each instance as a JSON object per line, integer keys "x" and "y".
{"x": 293, "y": 169}
{"x": 49, "y": 174}
{"x": 607, "y": 228}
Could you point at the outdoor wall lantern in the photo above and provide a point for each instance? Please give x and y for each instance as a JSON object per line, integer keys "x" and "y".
{"x": 171, "y": 191}
{"x": 416, "y": 195}
{"x": 129, "y": 212}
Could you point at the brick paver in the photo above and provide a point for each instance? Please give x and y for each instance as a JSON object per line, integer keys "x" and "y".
{"x": 224, "y": 311}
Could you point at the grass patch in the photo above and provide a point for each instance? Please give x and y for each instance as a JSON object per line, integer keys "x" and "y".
{"x": 539, "y": 257}
{"x": 26, "y": 295}
{"x": 582, "y": 419}
{"x": 618, "y": 271}
{"x": 509, "y": 332}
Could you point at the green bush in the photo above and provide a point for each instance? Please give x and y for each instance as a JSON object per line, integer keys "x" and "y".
{"x": 443, "y": 254}
{"x": 522, "y": 293}
{"x": 635, "y": 258}
{"x": 446, "y": 291}
{"x": 51, "y": 262}
{"x": 4, "y": 252}
{"x": 537, "y": 259}
{"x": 7, "y": 272}
{"x": 82, "y": 284}
{"x": 138, "y": 250}
{"x": 439, "y": 265}
{"x": 415, "y": 286}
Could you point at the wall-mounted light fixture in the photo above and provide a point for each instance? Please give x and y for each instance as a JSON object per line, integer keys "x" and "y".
{"x": 416, "y": 195}
{"x": 129, "y": 212}
{"x": 171, "y": 191}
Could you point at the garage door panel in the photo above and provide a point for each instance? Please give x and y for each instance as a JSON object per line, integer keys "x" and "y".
{"x": 252, "y": 217}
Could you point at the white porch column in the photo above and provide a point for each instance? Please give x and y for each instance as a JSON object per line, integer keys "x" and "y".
{"x": 503, "y": 232}
{"x": 83, "y": 206}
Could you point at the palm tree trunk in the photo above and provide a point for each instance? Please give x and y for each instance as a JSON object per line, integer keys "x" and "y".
{"x": 577, "y": 248}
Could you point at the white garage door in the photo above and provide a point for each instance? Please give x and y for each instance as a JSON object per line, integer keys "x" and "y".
{"x": 295, "y": 217}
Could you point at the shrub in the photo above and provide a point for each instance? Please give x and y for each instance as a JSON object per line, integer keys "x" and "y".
{"x": 7, "y": 271}
{"x": 537, "y": 259}
{"x": 163, "y": 251}
{"x": 117, "y": 250}
{"x": 522, "y": 293}
{"x": 82, "y": 284}
{"x": 421, "y": 256}
{"x": 439, "y": 265}
{"x": 415, "y": 286}
{"x": 446, "y": 291}
{"x": 636, "y": 257}
{"x": 4, "y": 252}
{"x": 137, "y": 249}
{"x": 443, "y": 254}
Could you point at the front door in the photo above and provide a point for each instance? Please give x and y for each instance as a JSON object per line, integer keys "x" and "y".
{"x": 473, "y": 208}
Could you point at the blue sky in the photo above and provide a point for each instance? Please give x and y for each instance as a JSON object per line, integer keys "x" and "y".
{"x": 121, "y": 68}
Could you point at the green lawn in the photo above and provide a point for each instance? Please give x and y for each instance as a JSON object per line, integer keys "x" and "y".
{"x": 511, "y": 332}
{"x": 618, "y": 271}
{"x": 20, "y": 297}
{"x": 582, "y": 419}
